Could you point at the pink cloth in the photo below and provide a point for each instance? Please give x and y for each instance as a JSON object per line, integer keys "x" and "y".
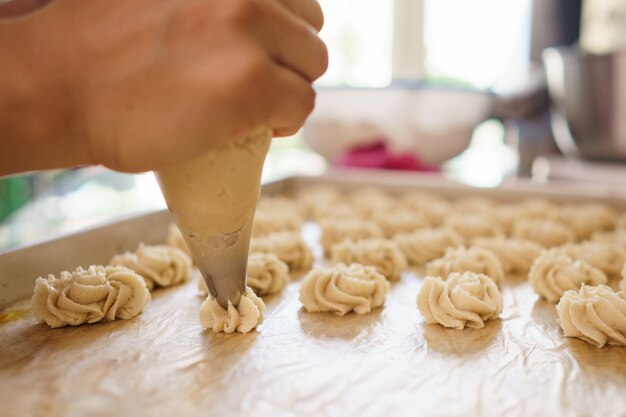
{"x": 377, "y": 155}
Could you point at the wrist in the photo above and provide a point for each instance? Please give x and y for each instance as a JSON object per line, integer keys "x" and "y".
{"x": 37, "y": 124}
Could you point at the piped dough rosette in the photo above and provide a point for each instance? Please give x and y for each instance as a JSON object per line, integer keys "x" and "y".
{"x": 594, "y": 314}
{"x": 585, "y": 219}
{"x": 480, "y": 205}
{"x": 370, "y": 200}
{"x": 425, "y": 245}
{"x": 620, "y": 223}
{"x": 266, "y": 274}
{"x": 554, "y": 273}
{"x": 397, "y": 221}
{"x": 334, "y": 231}
{"x": 475, "y": 259}
{"x": 159, "y": 265}
{"x": 516, "y": 255}
{"x": 548, "y": 233}
{"x": 88, "y": 296}
{"x": 472, "y": 225}
{"x": 243, "y": 318}
{"x": 279, "y": 204}
{"x": 416, "y": 198}
{"x": 607, "y": 257}
{"x": 616, "y": 237}
{"x": 505, "y": 215}
{"x": 289, "y": 247}
{"x": 339, "y": 211}
{"x": 316, "y": 197}
{"x": 271, "y": 221}
{"x": 383, "y": 254}
{"x": 434, "y": 207}
{"x": 462, "y": 300}
{"x": 343, "y": 288}
{"x": 538, "y": 208}
{"x": 622, "y": 283}
{"x": 532, "y": 208}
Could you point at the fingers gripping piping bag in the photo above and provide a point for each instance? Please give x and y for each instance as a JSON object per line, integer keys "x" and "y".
{"x": 212, "y": 199}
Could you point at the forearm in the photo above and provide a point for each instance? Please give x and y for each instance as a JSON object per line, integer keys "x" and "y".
{"x": 36, "y": 127}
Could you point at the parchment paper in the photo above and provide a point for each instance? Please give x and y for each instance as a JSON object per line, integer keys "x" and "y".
{"x": 388, "y": 362}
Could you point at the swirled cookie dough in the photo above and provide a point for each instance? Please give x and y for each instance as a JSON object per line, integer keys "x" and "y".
{"x": 532, "y": 208}
{"x": 268, "y": 221}
{"x": 335, "y": 230}
{"x": 400, "y": 221}
{"x": 370, "y": 200}
{"x": 425, "y": 245}
{"x": 383, "y": 254}
{"x": 289, "y": 247}
{"x": 432, "y": 206}
{"x": 321, "y": 201}
{"x": 505, "y": 215}
{"x": 472, "y": 225}
{"x": 366, "y": 194}
{"x": 548, "y": 233}
{"x": 475, "y": 259}
{"x": 339, "y": 211}
{"x": 607, "y": 257}
{"x": 538, "y": 208}
{"x": 468, "y": 205}
{"x": 418, "y": 198}
{"x": 585, "y": 219}
{"x": 318, "y": 197}
{"x": 594, "y": 314}
{"x": 516, "y": 255}
{"x": 243, "y": 318}
{"x": 88, "y": 296}
{"x": 620, "y": 223}
{"x": 622, "y": 283}
{"x": 463, "y": 300}
{"x": 159, "y": 265}
{"x": 175, "y": 239}
{"x": 616, "y": 237}
{"x": 553, "y": 273}
{"x": 342, "y": 289}
{"x": 279, "y": 204}
{"x": 266, "y": 274}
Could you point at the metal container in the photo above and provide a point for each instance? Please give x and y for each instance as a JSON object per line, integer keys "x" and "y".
{"x": 588, "y": 102}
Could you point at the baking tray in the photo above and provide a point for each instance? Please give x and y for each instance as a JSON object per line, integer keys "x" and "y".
{"x": 387, "y": 362}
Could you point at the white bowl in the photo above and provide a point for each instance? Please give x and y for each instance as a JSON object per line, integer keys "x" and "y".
{"x": 435, "y": 123}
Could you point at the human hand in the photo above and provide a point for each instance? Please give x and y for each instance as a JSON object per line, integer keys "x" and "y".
{"x": 141, "y": 84}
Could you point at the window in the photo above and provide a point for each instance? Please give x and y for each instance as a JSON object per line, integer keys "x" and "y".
{"x": 480, "y": 43}
{"x": 359, "y": 38}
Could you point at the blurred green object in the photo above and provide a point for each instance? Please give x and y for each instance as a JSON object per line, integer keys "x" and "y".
{"x": 14, "y": 193}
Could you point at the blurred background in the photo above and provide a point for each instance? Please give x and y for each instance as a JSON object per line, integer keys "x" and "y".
{"x": 465, "y": 89}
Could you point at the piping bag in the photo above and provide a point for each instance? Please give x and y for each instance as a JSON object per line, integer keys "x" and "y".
{"x": 213, "y": 199}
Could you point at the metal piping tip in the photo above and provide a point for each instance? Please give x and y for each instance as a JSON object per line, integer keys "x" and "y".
{"x": 223, "y": 263}
{"x": 226, "y": 285}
